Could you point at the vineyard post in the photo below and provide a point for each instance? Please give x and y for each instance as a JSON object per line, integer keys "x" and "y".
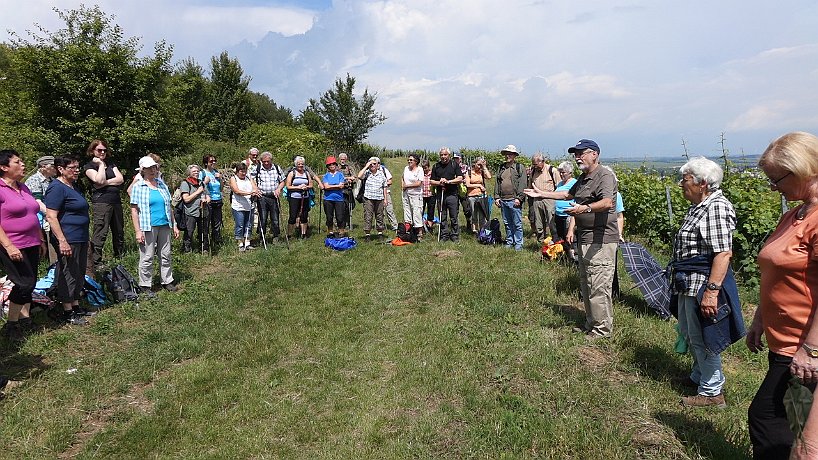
{"x": 669, "y": 206}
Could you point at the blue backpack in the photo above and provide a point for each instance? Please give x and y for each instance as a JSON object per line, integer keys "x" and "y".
{"x": 340, "y": 244}
{"x": 490, "y": 233}
{"x": 94, "y": 293}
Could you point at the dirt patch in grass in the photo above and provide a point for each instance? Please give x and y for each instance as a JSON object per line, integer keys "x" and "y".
{"x": 446, "y": 253}
{"x": 652, "y": 438}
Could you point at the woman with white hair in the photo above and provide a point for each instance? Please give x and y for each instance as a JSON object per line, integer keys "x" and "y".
{"x": 704, "y": 287}
{"x": 299, "y": 181}
{"x": 374, "y": 183}
{"x": 153, "y": 223}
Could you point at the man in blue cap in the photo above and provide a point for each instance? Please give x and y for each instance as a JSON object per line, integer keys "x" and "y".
{"x": 593, "y": 198}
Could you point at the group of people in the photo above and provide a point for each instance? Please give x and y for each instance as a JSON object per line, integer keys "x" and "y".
{"x": 582, "y": 211}
{"x": 51, "y": 208}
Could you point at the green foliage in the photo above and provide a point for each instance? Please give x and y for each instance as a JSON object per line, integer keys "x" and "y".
{"x": 265, "y": 110}
{"x": 646, "y": 212}
{"x": 84, "y": 82}
{"x": 229, "y": 101}
{"x": 341, "y": 117}
{"x": 284, "y": 142}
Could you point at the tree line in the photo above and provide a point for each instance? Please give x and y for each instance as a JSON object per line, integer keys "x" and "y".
{"x": 87, "y": 80}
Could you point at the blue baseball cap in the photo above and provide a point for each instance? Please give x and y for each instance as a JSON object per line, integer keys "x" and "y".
{"x": 582, "y": 145}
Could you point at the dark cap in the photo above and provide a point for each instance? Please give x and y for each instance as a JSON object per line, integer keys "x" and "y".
{"x": 582, "y": 145}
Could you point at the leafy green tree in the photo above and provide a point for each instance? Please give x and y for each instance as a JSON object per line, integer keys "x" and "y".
{"x": 85, "y": 81}
{"x": 340, "y": 116}
{"x": 265, "y": 110}
{"x": 284, "y": 142}
{"x": 187, "y": 95}
{"x": 228, "y": 100}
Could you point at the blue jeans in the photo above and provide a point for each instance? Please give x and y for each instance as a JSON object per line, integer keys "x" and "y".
{"x": 706, "y": 367}
{"x": 513, "y": 220}
{"x": 243, "y": 222}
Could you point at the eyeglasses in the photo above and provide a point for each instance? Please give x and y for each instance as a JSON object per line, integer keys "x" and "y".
{"x": 72, "y": 167}
{"x": 212, "y": 161}
{"x": 580, "y": 155}
{"x": 774, "y": 183}
{"x": 410, "y": 160}
{"x": 101, "y": 150}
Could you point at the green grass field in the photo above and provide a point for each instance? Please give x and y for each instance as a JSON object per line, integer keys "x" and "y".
{"x": 426, "y": 351}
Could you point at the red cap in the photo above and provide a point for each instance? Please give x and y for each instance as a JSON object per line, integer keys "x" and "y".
{"x": 331, "y": 160}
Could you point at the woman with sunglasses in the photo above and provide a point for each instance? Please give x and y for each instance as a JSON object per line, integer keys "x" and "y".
{"x": 106, "y": 203}
{"x": 335, "y": 206}
{"x": 67, "y": 214}
{"x": 786, "y": 311}
{"x": 212, "y": 179}
{"x": 412, "y": 184}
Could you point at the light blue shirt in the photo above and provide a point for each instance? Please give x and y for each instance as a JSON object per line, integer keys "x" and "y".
{"x": 141, "y": 197}
{"x": 561, "y": 205}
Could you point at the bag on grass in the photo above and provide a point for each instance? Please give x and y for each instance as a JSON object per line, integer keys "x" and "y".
{"x": 340, "y": 244}
{"x": 406, "y": 233}
{"x": 94, "y": 293}
{"x": 121, "y": 284}
{"x": 490, "y": 233}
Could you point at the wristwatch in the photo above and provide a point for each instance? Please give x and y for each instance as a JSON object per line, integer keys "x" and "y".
{"x": 713, "y": 287}
{"x": 589, "y": 208}
{"x": 812, "y": 352}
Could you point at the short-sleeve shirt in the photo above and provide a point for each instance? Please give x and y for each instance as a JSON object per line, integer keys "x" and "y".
{"x": 374, "y": 185}
{"x": 562, "y": 205}
{"x": 409, "y": 177}
{"x": 214, "y": 187}
{"x": 335, "y": 178}
{"x": 707, "y": 229}
{"x": 192, "y": 209}
{"x": 108, "y": 193}
{"x": 72, "y": 210}
{"x": 448, "y": 171}
{"x": 789, "y": 282}
{"x": 596, "y": 227}
{"x": 37, "y": 184}
{"x": 18, "y": 216}
{"x": 268, "y": 180}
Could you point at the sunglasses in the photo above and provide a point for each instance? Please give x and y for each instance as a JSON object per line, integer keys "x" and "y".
{"x": 101, "y": 150}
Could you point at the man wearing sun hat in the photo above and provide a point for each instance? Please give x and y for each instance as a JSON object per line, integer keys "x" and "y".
{"x": 598, "y": 234}
{"x": 509, "y": 196}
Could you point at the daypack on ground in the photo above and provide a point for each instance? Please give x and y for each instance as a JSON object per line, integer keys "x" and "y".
{"x": 94, "y": 293}
{"x": 490, "y": 233}
{"x": 121, "y": 284}
{"x": 406, "y": 233}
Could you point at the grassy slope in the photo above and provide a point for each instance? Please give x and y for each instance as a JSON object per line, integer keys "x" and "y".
{"x": 423, "y": 351}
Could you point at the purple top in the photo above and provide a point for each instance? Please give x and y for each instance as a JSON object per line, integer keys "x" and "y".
{"x": 18, "y": 216}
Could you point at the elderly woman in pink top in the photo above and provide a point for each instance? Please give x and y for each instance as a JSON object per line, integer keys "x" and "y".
{"x": 21, "y": 240}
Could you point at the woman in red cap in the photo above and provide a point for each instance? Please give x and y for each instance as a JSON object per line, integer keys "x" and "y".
{"x": 334, "y": 205}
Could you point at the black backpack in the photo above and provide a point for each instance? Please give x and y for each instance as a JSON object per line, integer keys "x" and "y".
{"x": 359, "y": 197}
{"x": 406, "y": 233}
{"x": 121, "y": 284}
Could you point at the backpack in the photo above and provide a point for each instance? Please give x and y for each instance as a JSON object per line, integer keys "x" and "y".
{"x": 359, "y": 188}
{"x": 340, "y": 244}
{"x": 121, "y": 284}
{"x": 490, "y": 233}
{"x": 94, "y": 293}
{"x": 406, "y": 233}
{"x": 179, "y": 215}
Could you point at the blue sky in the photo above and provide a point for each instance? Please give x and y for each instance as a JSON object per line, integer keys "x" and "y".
{"x": 637, "y": 76}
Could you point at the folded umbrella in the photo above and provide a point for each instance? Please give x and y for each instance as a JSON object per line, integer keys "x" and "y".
{"x": 649, "y": 276}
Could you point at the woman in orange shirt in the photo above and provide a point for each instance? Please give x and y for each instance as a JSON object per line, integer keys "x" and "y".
{"x": 789, "y": 287}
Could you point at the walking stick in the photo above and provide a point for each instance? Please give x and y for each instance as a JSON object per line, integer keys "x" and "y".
{"x": 286, "y": 233}
{"x": 261, "y": 227}
{"x": 304, "y": 195}
{"x": 320, "y": 205}
{"x": 440, "y": 213}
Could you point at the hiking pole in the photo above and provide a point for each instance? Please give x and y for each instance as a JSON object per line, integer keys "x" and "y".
{"x": 320, "y": 206}
{"x": 440, "y": 213}
{"x": 286, "y": 232}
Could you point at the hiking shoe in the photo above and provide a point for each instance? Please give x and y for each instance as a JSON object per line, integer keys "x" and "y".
{"x": 704, "y": 401}
{"x": 75, "y": 319}
{"x": 330, "y": 235}
{"x": 147, "y": 291}
{"x": 170, "y": 287}
{"x": 27, "y": 325}
{"x": 82, "y": 311}
{"x": 12, "y": 331}
{"x": 593, "y": 336}
{"x": 579, "y": 330}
